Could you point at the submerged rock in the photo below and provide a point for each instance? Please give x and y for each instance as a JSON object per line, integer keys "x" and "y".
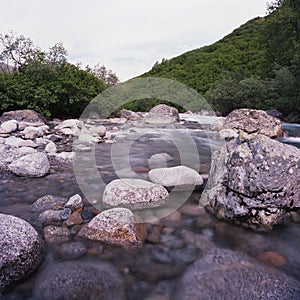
{"x": 21, "y": 250}
{"x": 116, "y": 226}
{"x": 134, "y": 194}
{"x": 32, "y": 165}
{"x": 253, "y": 121}
{"x": 46, "y": 202}
{"x": 254, "y": 182}
{"x": 79, "y": 280}
{"x": 181, "y": 177}
{"x": 225, "y": 274}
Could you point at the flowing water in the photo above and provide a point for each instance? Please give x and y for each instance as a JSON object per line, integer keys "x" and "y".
{"x": 164, "y": 258}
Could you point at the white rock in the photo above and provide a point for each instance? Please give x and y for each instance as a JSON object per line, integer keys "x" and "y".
{"x": 13, "y": 141}
{"x": 134, "y": 194}
{"x": 2, "y": 140}
{"x": 68, "y": 131}
{"x": 65, "y": 156}
{"x": 51, "y": 148}
{"x": 32, "y": 132}
{"x": 9, "y": 126}
{"x": 118, "y": 120}
{"x": 228, "y": 134}
{"x": 181, "y": 177}
{"x": 70, "y": 123}
{"x": 101, "y": 131}
{"x": 23, "y": 124}
{"x": 75, "y": 202}
{"x": 32, "y": 165}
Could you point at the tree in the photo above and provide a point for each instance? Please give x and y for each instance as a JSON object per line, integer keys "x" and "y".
{"x": 16, "y": 50}
{"x": 105, "y": 75}
{"x": 44, "y": 80}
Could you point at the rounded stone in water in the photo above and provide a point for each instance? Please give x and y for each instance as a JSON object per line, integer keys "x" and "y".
{"x": 21, "y": 250}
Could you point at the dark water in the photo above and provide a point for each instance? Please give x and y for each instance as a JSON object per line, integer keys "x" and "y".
{"x": 145, "y": 269}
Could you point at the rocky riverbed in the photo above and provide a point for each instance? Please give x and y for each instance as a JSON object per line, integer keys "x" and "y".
{"x": 136, "y": 231}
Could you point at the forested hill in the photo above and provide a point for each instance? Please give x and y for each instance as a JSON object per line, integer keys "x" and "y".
{"x": 257, "y": 65}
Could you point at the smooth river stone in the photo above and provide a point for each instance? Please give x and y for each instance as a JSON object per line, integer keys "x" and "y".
{"x": 181, "y": 177}
{"x": 117, "y": 226}
{"x": 21, "y": 250}
{"x": 134, "y": 194}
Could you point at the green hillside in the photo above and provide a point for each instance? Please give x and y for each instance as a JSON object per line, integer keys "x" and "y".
{"x": 257, "y": 65}
{"x": 200, "y": 68}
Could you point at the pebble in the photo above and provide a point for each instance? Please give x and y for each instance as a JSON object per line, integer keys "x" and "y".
{"x": 56, "y": 235}
{"x": 46, "y": 202}
{"x": 65, "y": 213}
{"x": 74, "y": 219}
{"x": 50, "y": 217}
{"x": 74, "y": 202}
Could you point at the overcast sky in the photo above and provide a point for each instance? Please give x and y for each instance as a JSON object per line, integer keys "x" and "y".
{"x": 127, "y": 36}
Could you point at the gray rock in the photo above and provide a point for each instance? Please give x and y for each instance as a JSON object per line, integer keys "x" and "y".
{"x": 101, "y": 131}
{"x": 65, "y": 157}
{"x": 51, "y": 148}
{"x": 254, "y": 182}
{"x": 230, "y": 275}
{"x": 25, "y": 115}
{"x": 46, "y": 202}
{"x": 50, "y": 217}
{"x": 228, "y": 134}
{"x": 130, "y": 115}
{"x": 2, "y": 140}
{"x": 21, "y": 250}
{"x": 134, "y": 194}
{"x": 32, "y": 165}
{"x": 9, "y": 126}
{"x": 116, "y": 226}
{"x": 13, "y": 141}
{"x": 79, "y": 280}
{"x": 74, "y": 202}
{"x": 56, "y": 235}
{"x": 181, "y": 177}
{"x": 165, "y": 110}
{"x": 253, "y": 121}
{"x": 70, "y": 251}
{"x": 32, "y": 132}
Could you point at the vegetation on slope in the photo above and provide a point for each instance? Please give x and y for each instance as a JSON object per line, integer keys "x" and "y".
{"x": 256, "y": 66}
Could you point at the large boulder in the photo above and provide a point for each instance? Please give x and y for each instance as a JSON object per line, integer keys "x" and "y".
{"x": 31, "y": 165}
{"x": 253, "y": 121}
{"x": 129, "y": 115}
{"x": 21, "y": 250}
{"x": 225, "y": 274}
{"x": 25, "y": 115}
{"x": 162, "y": 113}
{"x": 117, "y": 226}
{"x": 254, "y": 181}
{"x": 181, "y": 177}
{"x": 79, "y": 280}
{"x": 134, "y": 194}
